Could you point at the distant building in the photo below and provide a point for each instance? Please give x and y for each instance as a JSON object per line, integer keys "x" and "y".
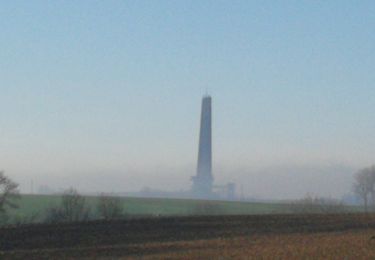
{"x": 225, "y": 192}
{"x": 203, "y": 180}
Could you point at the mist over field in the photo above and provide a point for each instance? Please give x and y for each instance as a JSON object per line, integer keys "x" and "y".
{"x": 271, "y": 183}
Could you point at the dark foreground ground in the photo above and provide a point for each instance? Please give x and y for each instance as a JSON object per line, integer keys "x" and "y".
{"x": 191, "y": 237}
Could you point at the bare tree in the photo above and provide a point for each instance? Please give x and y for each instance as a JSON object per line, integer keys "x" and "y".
{"x": 371, "y": 179}
{"x": 364, "y": 185}
{"x": 110, "y": 207}
{"x": 8, "y": 194}
{"x": 73, "y": 208}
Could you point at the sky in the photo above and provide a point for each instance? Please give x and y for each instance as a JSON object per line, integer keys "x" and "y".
{"x": 105, "y": 95}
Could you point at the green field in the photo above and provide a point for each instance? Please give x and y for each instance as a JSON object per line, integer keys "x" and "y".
{"x": 36, "y": 205}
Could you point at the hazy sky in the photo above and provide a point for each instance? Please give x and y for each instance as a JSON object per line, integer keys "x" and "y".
{"x": 105, "y": 95}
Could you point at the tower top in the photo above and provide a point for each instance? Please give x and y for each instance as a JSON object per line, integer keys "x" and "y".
{"x": 207, "y": 93}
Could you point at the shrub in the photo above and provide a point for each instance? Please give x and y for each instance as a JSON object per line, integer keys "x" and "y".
{"x": 311, "y": 204}
{"x": 109, "y": 207}
{"x": 73, "y": 208}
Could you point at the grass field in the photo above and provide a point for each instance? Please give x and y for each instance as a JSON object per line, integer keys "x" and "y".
{"x": 36, "y": 205}
{"x": 30, "y": 205}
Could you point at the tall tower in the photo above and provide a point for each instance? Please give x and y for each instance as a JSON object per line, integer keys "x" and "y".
{"x": 202, "y": 182}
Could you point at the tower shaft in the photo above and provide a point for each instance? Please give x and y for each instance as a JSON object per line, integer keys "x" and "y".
{"x": 202, "y": 182}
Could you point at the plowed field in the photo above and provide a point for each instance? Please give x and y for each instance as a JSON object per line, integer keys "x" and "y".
{"x": 225, "y": 237}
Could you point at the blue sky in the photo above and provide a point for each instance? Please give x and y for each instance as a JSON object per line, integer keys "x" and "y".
{"x": 115, "y": 87}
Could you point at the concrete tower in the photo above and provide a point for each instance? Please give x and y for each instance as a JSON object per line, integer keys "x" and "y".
{"x": 202, "y": 182}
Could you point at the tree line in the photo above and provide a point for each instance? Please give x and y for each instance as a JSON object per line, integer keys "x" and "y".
{"x": 73, "y": 207}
